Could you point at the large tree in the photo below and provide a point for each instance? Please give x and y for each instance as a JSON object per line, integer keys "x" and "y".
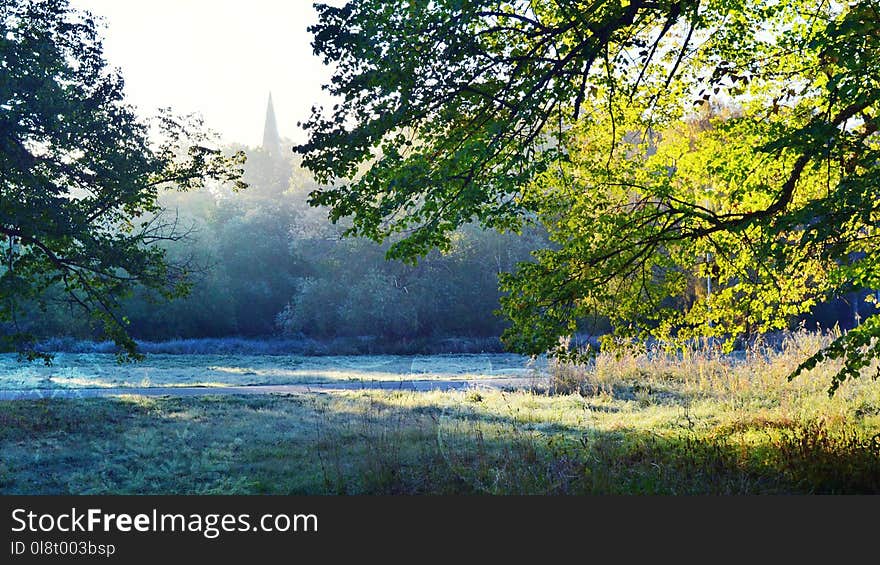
{"x": 80, "y": 173}
{"x": 658, "y": 140}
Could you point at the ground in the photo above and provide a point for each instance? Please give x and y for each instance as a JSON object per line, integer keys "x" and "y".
{"x": 635, "y": 425}
{"x": 73, "y": 371}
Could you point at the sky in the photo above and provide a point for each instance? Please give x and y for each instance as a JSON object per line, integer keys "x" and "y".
{"x": 218, "y": 58}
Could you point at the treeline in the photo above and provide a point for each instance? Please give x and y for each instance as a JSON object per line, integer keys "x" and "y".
{"x": 263, "y": 262}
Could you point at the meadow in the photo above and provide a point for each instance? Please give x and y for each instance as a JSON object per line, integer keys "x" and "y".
{"x": 71, "y": 371}
{"x": 636, "y": 422}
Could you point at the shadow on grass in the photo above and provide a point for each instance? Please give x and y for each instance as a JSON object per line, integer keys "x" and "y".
{"x": 375, "y": 444}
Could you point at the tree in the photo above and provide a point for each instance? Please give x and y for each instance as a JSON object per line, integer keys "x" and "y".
{"x": 80, "y": 173}
{"x": 574, "y": 114}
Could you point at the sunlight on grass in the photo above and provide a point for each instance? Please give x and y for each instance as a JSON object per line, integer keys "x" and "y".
{"x": 627, "y": 424}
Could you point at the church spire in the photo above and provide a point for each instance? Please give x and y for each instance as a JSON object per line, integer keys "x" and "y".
{"x": 271, "y": 139}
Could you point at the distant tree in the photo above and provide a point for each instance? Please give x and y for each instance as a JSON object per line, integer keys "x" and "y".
{"x": 80, "y": 173}
{"x": 572, "y": 113}
{"x": 351, "y": 290}
{"x": 256, "y": 256}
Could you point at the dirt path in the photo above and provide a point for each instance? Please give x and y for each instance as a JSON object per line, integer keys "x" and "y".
{"x": 406, "y": 384}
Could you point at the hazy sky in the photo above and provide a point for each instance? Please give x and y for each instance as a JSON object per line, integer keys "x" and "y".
{"x": 220, "y": 58}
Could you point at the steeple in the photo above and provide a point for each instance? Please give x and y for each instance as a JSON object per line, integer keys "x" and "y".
{"x": 271, "y": 139}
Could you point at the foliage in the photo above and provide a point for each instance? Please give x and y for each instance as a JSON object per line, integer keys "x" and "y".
{"x": 660, "y": 143}
{"x": 263, "y": 262}
{"x": 80, "y": 174}
{"x": 351, "y": 289}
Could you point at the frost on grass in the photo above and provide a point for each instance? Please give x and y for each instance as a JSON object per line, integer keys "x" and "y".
{"x": 96, "y": 370}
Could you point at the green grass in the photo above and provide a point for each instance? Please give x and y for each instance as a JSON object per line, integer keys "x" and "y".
{"x": 636, "y": 424}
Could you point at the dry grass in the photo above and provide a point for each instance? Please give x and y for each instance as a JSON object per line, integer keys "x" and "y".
{"x": 761, "y": 369}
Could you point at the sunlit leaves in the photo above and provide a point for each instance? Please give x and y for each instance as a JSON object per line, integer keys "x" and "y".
{"x": 667, "y": 146}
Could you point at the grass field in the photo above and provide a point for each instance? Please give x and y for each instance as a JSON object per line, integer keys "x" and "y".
{"x": 635, "y": 424}
{"x": 101, "y": 370}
